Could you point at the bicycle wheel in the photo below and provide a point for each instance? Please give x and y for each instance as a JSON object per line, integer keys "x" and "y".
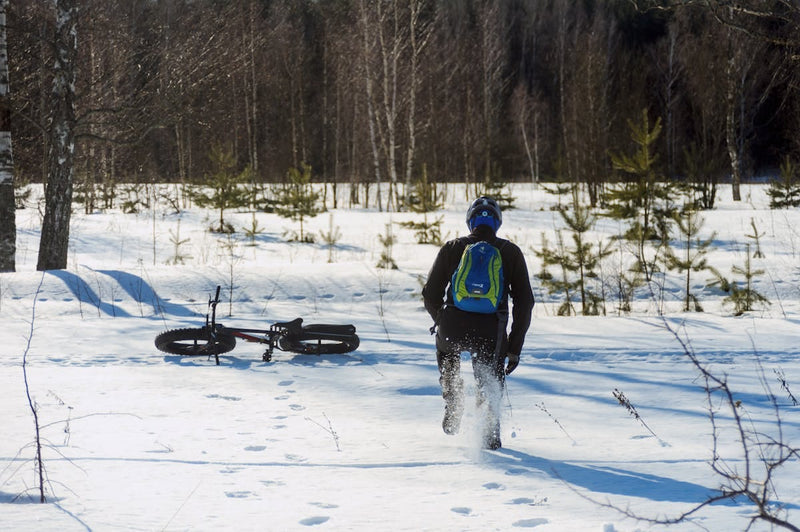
{"x": 321, "y": 340}
{"x": 191, "y": 342}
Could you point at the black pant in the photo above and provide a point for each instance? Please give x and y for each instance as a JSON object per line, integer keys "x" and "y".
{"x": 477, "y": 334}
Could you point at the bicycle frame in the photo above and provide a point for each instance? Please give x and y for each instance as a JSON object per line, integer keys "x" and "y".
{"x": 260, "y": 336}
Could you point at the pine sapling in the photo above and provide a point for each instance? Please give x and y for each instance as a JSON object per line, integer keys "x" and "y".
{"x": 253, "y": 231}
{"x": 756, "y": 237}
{"x": 557, "y": 256}
{"x": 423, "y": 198}
{"x": 331, "y": 237}
{"x": 744, "y": 298}
{"x": 693, "y": 258}
{"x": 388, "y": 241}
{"x": 784, "y": 192}
{"x": 297, "y": 200}
{"x": 643, "y": 197}
{"x": 223, "y": 187}
{"x": 178, "y": 257}
{"x": 578, "y": 263}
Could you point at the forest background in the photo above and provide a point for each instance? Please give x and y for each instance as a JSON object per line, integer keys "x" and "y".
{"x": 361, "y": 91}
{"x": 387, "y": 92}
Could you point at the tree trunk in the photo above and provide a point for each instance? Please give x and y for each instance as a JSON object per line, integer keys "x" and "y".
{"x": 730, "y": 120}
{"x": 8, "y": 225}
{"x": 371, "y": 119}
{"x": 54, "y": 241}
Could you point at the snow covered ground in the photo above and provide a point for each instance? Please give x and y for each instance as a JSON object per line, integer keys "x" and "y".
{"x": 140, "y": 440}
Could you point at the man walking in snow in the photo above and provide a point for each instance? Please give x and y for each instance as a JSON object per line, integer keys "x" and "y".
{"x": 470, "y": 311}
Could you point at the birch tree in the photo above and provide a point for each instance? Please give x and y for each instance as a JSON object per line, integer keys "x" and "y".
{"x": 8, "y": 226}
{"x": 54, "y": 242}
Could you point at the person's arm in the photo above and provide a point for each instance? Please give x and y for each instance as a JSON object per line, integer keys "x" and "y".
{"x": 521, "y": 296}
{"x": 433, "y": 293}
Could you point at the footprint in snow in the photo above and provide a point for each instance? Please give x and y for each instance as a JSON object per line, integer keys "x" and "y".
{"x": 325, "y": 505}
{"x": 238, "y": 494}
{"x": 493, "y": 486}
{"x": 225, "y": 397}
{"x": 286, "y": 383}
{"x": 463, "y": 510}
{"x": 529, "y": 523}
{"x": 255, "y": 448}
{"x": 526, "y": 500}
{"x": 297, "y": 408}
{"x": 316, "y": 520}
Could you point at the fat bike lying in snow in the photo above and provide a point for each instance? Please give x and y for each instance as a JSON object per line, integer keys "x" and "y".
{"x": 215, "y": 339}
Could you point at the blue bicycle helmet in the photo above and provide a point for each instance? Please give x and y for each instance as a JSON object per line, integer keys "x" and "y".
{"x": 484, "y": 211}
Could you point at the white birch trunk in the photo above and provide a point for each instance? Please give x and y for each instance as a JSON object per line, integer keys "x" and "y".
{"x": 8, "y": 226}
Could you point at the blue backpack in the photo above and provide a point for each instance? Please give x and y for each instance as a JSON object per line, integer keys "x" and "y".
{"x": 477, "y": 283}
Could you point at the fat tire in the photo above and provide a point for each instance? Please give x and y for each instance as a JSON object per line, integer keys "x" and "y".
{"x": 194, "y": 342}
{"x": 316, "y": 342}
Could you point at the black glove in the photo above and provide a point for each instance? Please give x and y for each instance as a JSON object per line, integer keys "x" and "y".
{"x": 513, "y": 362}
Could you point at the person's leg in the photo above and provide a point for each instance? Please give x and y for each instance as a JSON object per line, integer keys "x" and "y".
{"x": 490, "y": 378}
{"x": 452, "y": 390}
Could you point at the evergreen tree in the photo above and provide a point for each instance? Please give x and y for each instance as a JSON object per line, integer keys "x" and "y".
{"x": 701, "y": 174}
{"x": 742, "y": 295}
{"x": 387, "y": 240}
{"x": 693, "y": 257}
{"x": 422, "y": 198}
{"x": 784, "y": 192}
{"x": 223, "y": 187}
{"x": 557, "y": 256}
{"x": 497, "y": 190}
{"x": 297, "y": 200}
{"x": 756, "y": 236}
{"x": 642, "y": 198}
{"x": 578, "y": 264}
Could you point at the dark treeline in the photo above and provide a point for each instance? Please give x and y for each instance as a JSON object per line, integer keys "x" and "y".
{"x": 386, "y": 91}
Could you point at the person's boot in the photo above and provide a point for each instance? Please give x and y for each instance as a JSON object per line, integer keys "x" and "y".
{"x": 490, "y": 388}
{"x": 453, "y": 411}
{"x": 491, "y": 433}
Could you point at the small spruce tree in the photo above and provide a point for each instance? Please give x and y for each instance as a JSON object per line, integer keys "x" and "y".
{"x": 498, "y": 191}
{"x": 387, "y": 240}
{"x": 784, "y": 192}
{"x": 756, "y": 236}
{"x": 557, "y": 256}
{"x": 423, "y": 197}
{"x": 642, "y": 198}
{"x": 331, "y": 237}
{"x": 701, "y": 174}
{"x": 223, "y": 187}
{"x": 578, "y": 263}
{"x": 693, "y": 256}
{"x": 297, "y": 200}
{"x": 253, "y": 230}
{"x": 742, "y": 295}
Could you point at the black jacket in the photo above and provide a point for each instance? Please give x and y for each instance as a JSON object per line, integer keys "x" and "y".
{"x": 517, "y": 284}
